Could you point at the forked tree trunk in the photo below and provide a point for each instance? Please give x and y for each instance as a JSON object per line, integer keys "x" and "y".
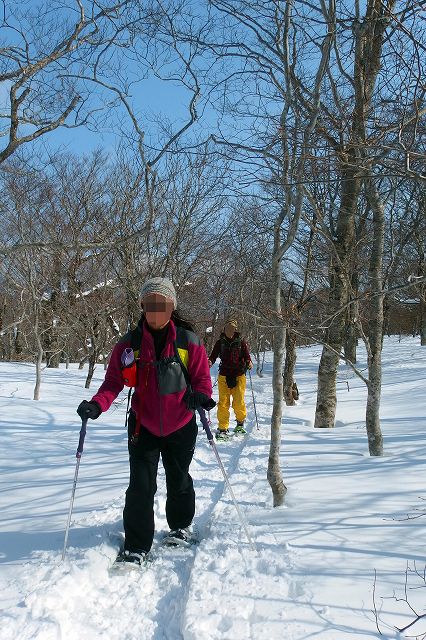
{"x": 369, "y": 34}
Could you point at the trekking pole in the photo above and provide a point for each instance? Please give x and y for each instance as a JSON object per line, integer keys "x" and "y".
{"x": 77, "y": 466}
{"x": 212, "y": 443}
{"x": 254, "y": 403}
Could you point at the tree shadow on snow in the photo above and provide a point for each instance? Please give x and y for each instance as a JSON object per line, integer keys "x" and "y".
{"x": 20, "y": 547}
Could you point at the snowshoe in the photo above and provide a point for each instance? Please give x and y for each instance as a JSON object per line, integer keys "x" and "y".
{"x": 223, "y": 434}
{"x": 239, "y": 429}
{"x": 130, "y": 560}
{"x": 180, "y": 538}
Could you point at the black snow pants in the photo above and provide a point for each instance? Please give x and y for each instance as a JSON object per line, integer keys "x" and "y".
{"x": 177, "y": 450}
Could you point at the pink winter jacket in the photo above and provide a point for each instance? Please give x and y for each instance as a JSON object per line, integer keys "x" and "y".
{"x": 158, "y": 398}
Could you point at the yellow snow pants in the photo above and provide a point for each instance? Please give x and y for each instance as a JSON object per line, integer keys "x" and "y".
{"x": 238, "y": 403}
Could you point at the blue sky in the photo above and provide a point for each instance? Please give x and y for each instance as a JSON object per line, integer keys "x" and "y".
{"x": 152, "y": 98}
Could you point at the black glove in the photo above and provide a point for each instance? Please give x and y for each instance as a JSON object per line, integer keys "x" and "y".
{"x": 231, "y": 381}
{"x": 196, "y": 399}
{"x": 89, "y": 410}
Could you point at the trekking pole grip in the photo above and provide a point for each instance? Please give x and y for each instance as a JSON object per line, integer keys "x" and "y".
{"x": 82, "y": 436}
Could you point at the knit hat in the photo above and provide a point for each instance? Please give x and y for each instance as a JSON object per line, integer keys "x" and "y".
{"x": 162, "y": 286}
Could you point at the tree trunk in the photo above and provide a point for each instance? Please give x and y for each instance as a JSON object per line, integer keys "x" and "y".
{"x": 422, "y": 305}
{"x": 386, "y": 313}
{"x": 259, "y": 353}
{"x": 374, "y": 432}
{"x": 82, "y": 362}
{"x": 91, "y": 371}
{"x": 51, "y": 339}
{"x": 375, "y": 324}
{"x": 369, "y": 34}
{"x": 325, "y": 412}
{"x": 289, "y": 367}
{"x": 326, "y": 396}
{"x": 351, "y": 343}
{"x": 260, "y": 360}
{"x": 274, "y": 475}
{"x": 422, "y": 322}
{"x": 52, "y": 349}
{"x": 39, "y": 355}
{"x": 351, "y": 335}
{"x": 17, "y": 345}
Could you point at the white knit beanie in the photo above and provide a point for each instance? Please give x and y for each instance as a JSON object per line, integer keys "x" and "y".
{"x": 162, "y": 286}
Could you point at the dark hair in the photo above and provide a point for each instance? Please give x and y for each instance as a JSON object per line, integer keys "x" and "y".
{"x": 178, "y": 319}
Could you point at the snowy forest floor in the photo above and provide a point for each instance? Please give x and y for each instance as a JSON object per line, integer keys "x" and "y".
{"x": 336, "y": 562}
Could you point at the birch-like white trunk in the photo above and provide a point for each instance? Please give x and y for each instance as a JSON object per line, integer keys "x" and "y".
{"x": 274, "y": 475}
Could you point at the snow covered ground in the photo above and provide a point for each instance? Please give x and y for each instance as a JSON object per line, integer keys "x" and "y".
{"x": 352, "y": 527}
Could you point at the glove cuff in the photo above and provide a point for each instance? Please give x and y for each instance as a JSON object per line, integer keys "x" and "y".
{"x": 97, "y": 405}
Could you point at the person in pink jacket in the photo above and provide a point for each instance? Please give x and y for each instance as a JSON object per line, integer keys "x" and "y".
{"x": 172, "y": 379}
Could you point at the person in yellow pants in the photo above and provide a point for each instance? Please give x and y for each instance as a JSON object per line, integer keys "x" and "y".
{"x": 235, "y": 359}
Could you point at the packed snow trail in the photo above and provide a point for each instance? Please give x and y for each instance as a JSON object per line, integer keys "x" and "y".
{"x": 78, "y": 598}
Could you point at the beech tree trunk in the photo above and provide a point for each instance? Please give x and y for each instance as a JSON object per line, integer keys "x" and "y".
{"x": 375, "y": 324}
{"x": 289, "y": 368}
{"x": 339, "y": 295}
{"x": 368, "y": 41}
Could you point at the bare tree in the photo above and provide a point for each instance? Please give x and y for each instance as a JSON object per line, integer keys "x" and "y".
{"x": 369, "y": 32}
{"x": 262, "y": 50}
{"x": 46, "y": 49}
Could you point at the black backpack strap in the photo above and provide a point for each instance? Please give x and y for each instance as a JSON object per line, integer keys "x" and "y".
{"x": 182, "y": 342}
{"x": 136, "y": 340}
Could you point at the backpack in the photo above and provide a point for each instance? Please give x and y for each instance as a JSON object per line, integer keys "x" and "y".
{"x": 180, "y": 346}
{"x": 233, "y": 347}
{"x": 181, "y": 356}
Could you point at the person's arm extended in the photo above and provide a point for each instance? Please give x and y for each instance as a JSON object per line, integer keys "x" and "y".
{"x": 113, "y": 383}
{"x": 214, "y": 354}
